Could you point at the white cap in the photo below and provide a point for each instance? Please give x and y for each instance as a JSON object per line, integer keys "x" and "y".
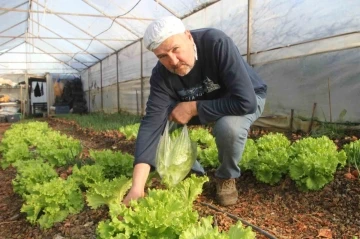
{"x": 161, "y": 29}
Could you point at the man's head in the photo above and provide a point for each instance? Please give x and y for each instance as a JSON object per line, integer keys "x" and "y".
{"x": 172, "y": 44}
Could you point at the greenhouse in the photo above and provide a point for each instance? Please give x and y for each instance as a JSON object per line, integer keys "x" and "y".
{"x": 77, "y": 82}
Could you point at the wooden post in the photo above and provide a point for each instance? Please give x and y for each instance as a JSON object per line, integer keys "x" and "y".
{"x": 291, "y": 120}
{"x": 329, "y": 100}
{"x": 312, "y": 118}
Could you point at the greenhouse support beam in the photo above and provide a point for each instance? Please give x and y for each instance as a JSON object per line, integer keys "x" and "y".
{"x": 35, "y": 69}
{"x": 89, "y": 90}
{"x": 4, "y": 43}
{"x": 53, "y": 57}
{"x": 39, "y": 62}
{"x": 59, "y": 53}
{"x": 117, "y": 82}
{"x": 6, "y": 10}
{"x": 115, "y": 20}
{"x": 199, "y": 9}
{"x": 248, "y": 53}
{"x": 84, "y": 50}
{"x": 319, "y": 46}
{"x": 101, "y": 89}
{"x": 142, "y": 79}
{"x": 11, "y": 28}
{"x": 60, "y": 37}
{"x": 77, "y": 27}
{"x": 48, "y": 11}
{"x": 70, "y": 55}
{"x": 168, "y": 9}
{"x": 7, "y": 51}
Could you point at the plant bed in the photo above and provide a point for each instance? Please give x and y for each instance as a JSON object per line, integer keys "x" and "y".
{"x": 280, "y": 209}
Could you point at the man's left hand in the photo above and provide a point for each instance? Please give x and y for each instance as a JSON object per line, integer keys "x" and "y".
{"x": 183, "y": 112}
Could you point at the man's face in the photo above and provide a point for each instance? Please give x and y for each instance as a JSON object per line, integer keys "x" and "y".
{"x": 177, "y": 53}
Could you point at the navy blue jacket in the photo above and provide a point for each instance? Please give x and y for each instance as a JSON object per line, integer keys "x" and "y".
{"x": 221, "y": 83}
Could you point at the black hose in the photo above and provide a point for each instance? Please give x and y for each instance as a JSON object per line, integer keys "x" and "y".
{"x": 232, "y": 216}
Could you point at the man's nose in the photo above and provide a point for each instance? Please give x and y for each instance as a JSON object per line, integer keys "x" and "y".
{"x": 173, "y": 60}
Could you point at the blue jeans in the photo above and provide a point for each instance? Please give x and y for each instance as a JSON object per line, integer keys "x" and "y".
{"x": 231, "y": 134}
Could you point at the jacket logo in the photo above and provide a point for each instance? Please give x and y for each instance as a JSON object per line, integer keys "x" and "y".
{"x": 209, "y": 85}
{"x": 199, "y": 90}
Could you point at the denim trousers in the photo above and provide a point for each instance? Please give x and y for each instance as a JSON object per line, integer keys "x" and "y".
{"x": 230, "y": 134}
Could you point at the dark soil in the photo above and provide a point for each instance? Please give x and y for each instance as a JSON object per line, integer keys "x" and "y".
{"x": 282, "y": 210}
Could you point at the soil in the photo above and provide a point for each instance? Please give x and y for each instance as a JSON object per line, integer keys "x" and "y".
{"x": 281, "y": 210}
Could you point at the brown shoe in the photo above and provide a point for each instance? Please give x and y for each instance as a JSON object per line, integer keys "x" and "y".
{"x": 226, "y": 193}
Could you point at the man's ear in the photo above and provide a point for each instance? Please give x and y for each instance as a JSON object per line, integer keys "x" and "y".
{"x": 188, "y": 34}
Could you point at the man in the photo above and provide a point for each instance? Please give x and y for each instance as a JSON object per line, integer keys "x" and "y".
{"x": 200, "y": 76}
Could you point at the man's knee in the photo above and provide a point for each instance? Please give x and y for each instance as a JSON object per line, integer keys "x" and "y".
{"x": 231, "y": 128}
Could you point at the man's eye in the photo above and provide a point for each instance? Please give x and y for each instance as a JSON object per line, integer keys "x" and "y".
{"x": 176, "y": 48}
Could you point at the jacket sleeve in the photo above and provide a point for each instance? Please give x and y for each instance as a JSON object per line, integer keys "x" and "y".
{"x": 241, "y": 98}
{"x": 153, "y": 124}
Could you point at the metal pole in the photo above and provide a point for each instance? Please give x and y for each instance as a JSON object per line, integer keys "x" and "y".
{"x": 249, "y": 32}
{"x": 137, "y": 103}
{"x": 101, "y": 87}
{"x": 117, "y": 81}
{"x": 89, "y": 87}
{"x": 142, "y": 79}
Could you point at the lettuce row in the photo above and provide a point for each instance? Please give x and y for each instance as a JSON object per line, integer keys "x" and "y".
{"x": 314, "y": 162}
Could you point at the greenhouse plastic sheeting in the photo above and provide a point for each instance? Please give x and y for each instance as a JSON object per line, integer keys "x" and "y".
{"x": 95, "y": 77}
{"x": 283, "y": 22}
{"x": 109, "y": 71}
{"x": 232, "y": 20}
{"x": 110, "y": 99}
{"x": 130, "y": 63}
{"x": 298, "y": 83}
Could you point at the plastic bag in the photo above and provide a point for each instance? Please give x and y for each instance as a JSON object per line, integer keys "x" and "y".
{"x": 175, "y": 157}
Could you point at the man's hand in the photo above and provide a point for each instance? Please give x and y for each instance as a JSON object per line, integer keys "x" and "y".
{"x": 183, "y": 112}
{"x": 133, "y": 195}
{"x": 140, "y": 175}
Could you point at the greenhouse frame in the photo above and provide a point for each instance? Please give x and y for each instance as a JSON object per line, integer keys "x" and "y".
{"x": 307, "y": 52}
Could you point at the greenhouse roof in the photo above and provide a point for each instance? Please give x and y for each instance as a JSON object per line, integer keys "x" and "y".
{"x": 68, "y": 36}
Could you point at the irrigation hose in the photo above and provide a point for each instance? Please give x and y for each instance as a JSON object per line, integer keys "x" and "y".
{"x": 232, "y": 216}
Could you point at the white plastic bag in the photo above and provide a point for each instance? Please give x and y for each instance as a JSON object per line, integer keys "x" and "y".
{"x": 175, "y": 157}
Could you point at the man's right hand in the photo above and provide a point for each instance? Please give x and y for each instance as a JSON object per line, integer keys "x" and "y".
{"x": 133, "y": 194}
{"x": 140, "y": 175}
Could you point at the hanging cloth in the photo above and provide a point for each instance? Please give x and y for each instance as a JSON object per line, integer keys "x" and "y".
{"x": 37, "y": 91}
{"x": 42, "y": 89}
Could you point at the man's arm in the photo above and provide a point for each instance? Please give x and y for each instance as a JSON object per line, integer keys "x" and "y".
{"x": 151, "y": 128}
{"x": 236, "y": 76}
{"x": 140, "y": 175}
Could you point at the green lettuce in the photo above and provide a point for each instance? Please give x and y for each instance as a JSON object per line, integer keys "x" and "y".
{"x": 174, "y": 158}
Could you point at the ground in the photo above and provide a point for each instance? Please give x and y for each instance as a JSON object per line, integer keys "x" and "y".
{"x": 281, "y": 210}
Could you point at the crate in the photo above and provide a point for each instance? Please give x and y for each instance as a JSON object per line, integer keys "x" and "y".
{"x": 12, "y": 118}
{"x": 62, "y": 109}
